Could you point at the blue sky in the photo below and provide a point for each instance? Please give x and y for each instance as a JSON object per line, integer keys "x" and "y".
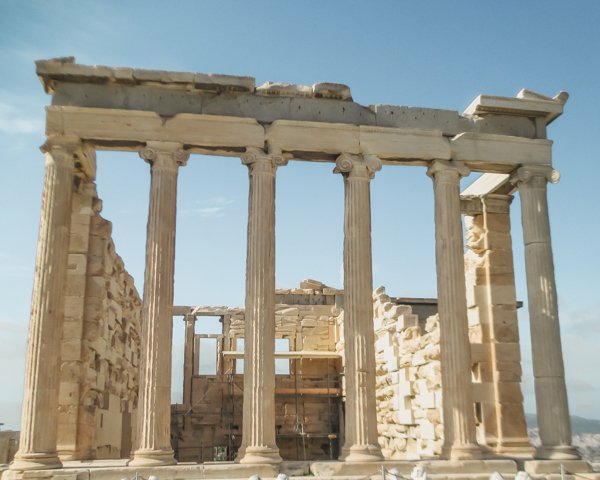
{"x": 427, "y": 53}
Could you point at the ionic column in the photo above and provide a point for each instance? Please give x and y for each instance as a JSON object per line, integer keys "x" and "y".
{"x": 361, "y": 443}
{"x": 258, "y": 435}
{"x": 459, "y": 423}
{"x": 37, "y": 445}
{"x": 154, "y": 406}
{"x": 548, "y": 369}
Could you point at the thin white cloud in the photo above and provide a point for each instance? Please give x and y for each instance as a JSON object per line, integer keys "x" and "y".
{"x": 214, "y": 207}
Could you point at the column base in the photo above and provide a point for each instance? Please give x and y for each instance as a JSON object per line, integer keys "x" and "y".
{"x": 469, "y": 451}
{"x": 361, "y": 453}
{"x": 35, "y": 461}
{"x": 557, "y": 452}
{"x": 515, "y": 450}
{"x": 152, "y": 458}
{"x": 268, "y": 455}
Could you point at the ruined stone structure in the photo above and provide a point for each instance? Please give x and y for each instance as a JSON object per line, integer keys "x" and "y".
{"x": 100, "y": 345}
{"x": 392, "y": 366}
{"x": 308, "y": 390}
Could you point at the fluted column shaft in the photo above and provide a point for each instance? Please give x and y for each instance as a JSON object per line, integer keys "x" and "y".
{"x": 37, "y": 445}
{"x": 361, "y": 418}
{"x": 459, "y": 423}
{"x": 548, "y": 369}
{"x": 154, "y": 406}
{"x": 258, "y": 435}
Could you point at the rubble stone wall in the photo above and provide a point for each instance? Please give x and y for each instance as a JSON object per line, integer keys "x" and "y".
{"x": 409, "y": 391}
{"x": 100, "y": 342}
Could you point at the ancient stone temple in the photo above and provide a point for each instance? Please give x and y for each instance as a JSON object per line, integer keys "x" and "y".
{"x": 308, "y": 381}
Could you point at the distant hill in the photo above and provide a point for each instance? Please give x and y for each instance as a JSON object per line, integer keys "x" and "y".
{"x": 579, "y": 425}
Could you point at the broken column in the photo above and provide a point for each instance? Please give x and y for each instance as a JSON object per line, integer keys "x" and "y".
{"x": 361, "y": 417}
{"x": 37, "y": 446}
{"x": 154, "y": 407}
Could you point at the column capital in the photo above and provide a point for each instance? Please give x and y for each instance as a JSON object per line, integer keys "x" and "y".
{"x": 67, "y": 143}
{"x": 448, "y": 167}
{"x": 253, "y": 157}
{"x": 71, "y": 151}
{"x": 357, "y": 165}
{"x": 524, "y": 174}
{"x": 165, "y": 154}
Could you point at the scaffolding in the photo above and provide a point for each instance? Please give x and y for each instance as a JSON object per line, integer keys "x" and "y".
{"x": 309, "y": 411}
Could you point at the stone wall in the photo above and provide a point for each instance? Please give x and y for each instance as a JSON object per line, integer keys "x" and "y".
{"x": 100, "y": 342}
{"x": 409, "y": 392}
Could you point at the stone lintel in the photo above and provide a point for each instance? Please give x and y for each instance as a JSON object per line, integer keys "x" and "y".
{"x": 479, "y": 150}
{"x": 490, "y": 183}
{"x": 203, "y": 311}
{"x": 328, "y": 138}
{"x": 226, "y": 135}
{"x": 314, "y": 354}
{"x": 101, "y": 125}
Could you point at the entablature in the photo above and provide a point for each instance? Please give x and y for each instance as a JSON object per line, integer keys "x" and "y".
{"x": 124, "y": 108}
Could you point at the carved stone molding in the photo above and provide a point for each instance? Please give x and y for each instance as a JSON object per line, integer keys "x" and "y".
{"x": 258, "y": 161}
{"x": 165, "y": 154}
{"x": 450, "y": 167}
{"x": 525, "y": 174}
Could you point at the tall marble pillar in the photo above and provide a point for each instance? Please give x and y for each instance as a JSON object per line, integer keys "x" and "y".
{"x": 361, "y": 443}
{"x": 258, "y": 435}
{"x": 37, "y": 445}
{"x": 154, "y": 406}
{"x": 548, "y": 369}
{"x": 458, "y": 409}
